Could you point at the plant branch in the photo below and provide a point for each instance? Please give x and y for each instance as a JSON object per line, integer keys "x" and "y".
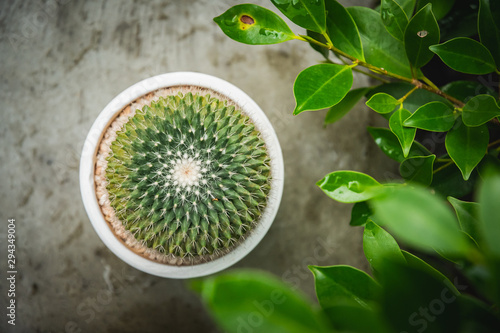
{"x": 382, "y": 71}
{"x": 429, "y": 82}
{"x": 402, "y": 99}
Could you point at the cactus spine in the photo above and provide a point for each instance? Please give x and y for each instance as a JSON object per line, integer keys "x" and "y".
{"x": 188, "y": 175}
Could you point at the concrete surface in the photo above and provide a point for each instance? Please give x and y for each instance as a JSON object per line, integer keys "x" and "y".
{"x": 61, "y": 63}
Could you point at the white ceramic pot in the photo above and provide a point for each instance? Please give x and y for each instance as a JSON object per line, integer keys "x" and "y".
{"x": 88, "y": 161}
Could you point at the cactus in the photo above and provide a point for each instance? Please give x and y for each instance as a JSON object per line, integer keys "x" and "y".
{"x": 189, "y": 176}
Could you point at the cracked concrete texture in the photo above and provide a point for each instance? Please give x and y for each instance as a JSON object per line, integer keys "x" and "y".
{"x": 62, "y": 62}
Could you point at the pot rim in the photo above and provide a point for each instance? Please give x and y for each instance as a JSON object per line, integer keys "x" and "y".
{"x": 113, "y": 109}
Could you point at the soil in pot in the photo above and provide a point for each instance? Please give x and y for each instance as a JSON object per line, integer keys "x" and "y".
{"x": 182, "y": 175}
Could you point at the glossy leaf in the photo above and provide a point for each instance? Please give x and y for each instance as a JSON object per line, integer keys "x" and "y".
{"x": 489, "y": 197}
{"x": 340, "y": 109}
{"x": 414, "y": 301}
{"x": 309, "y": 14}
{"x": 360, "y": 214}
{"x": 408, "y": 6}
{"x": 465, "y": 55}
{"x": 421, "y": 220}
{"x": 348, "y": 186}
{"x": 422, "y": 31}
{"x": 418, "y": 169}
{"x": 252, "y": 24}
{"x": 394, "y": 18}
{"x": 379, "y": 246}
{"x": 389, "y": 144}
{"x": 479, "y": 110}
{"x": 379, "y": 47}
{"x": 464, "y": 90}
{"x": 342, "y": 30}
{"x": 382, "y": 103}
{"x": 281, "y": 309}
{"x": 339, "y": 285}
{"x": 439, "y": 7}
{"x": 467, "y": 214}
{"x": 489, "y": 30}
{"x": 405, "y": 135}
{"x": 416, "y": 99}
{"x": 434, "y": 116}
{"x": 321, "y": 86}
{"x": 417, "y": 263}
{"x": 467, "y": 146}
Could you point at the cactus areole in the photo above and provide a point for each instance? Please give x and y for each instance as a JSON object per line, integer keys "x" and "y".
{"x": 183, "y": 175}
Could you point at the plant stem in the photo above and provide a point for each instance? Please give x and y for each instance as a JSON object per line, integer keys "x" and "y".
{"x": 402, "y": 99}
{"x": 442, "y": 167}
{"x": 328, "y": 40}
{"x": 493, "y": 143}
{"x": 429, "y": 82}
{"x": 382, "y": 71}
{"x": 373, "y": 76}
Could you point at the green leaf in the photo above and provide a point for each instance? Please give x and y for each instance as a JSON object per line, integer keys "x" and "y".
{"x": 433, "y": 116}
{"x": 342, "y": 30}
{"x": 309, "y": 14}
{"x": 464, "y": 90}
{"x": 421, "y": 220}
{"x": 476, "y": 316}
{"x": 467, "y": 146}
{"x": 479, "y": 110}
{"x": 389, "y": 144}
{"x": 416, "y": 99}
{"x": 261, "y": 298}
{"x": 340, "y": 285}
{"x": 348, "y": 186}
{"x": 439, "y": 7}
{"x": 360, "y": 214}
{"x": 379, "y": 246}
{"x": 414, "y": 301}
{"x": 346, "y": 318}
{"x": 251, "y": 24}
{"x": 450, "y": 182}
{"x": 489, "y": 32}
{"x": 465, "y": 55}
{"x": 325, "y": 52}
{"x": 489, "y": 197}
{"x": 488, "y": 164}
{"x": 467, "y": 213}
{"x": 394, "y": 18}
{"x": 418, "y": 169}
{"x": 417, "y": 263}
{"x": 422, "y": 31}
{"x": 382, "y": 103}
{"x": 379, "y": 47}
{"x": 340, "y": 109}
{"x": 408, "y": 6}
{"x": 405, "y": 135}
{"x": 321, "y": 86}
{"x": 461, "y": 21}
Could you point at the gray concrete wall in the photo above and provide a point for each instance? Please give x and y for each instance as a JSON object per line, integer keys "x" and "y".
{"x": 61, "y": 63}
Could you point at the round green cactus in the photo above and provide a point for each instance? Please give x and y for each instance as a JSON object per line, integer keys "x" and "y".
{"x": 188, "y": 175}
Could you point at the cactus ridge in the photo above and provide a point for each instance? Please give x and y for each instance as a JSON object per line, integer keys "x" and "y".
{"x": 188, "y": 175}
